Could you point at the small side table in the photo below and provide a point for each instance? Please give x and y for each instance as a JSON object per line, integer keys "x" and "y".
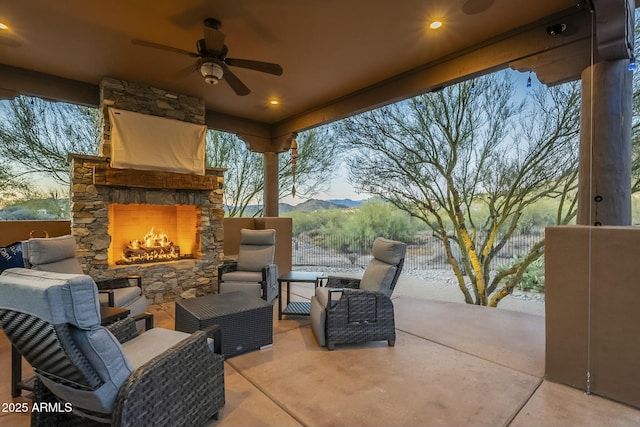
{"x": 297, "y": 307}
{"x": 108, "y": 315}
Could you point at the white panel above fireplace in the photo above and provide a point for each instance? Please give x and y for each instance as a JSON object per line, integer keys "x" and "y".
{"x": 141, "y": 141}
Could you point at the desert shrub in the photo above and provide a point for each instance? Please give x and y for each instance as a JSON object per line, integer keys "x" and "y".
{"x": 18, "y": 213}
{"x": 533, "y": 278}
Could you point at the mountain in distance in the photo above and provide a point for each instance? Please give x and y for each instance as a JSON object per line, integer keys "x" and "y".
{"x": 311, "y": 205}
{"x": 315, "y": 205}
{"x": 348, "y": 203}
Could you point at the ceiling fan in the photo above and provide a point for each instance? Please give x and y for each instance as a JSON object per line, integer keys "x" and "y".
{"x": 212, "y": 61}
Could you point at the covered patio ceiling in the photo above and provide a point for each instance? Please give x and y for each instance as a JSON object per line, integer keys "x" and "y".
{"x": 339, "y": 57}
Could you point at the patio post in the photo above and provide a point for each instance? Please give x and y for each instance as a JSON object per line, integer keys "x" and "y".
{"x": 271, "y": 184}
{"x": 605, "y": 145}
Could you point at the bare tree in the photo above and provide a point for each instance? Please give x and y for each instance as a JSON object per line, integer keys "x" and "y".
{"x": 37, "y": 135}
{"x": 244, "y": 178}
{"x": 443, "y": 155}
{"x": 13, "y": 188}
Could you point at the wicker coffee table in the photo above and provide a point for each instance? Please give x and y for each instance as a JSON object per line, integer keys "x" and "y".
{"x": 246, "y": 322}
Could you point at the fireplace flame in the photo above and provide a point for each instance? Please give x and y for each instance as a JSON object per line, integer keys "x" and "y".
{"x": 154, "y": 247}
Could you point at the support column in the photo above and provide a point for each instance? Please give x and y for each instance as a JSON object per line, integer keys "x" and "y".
{"x": 605, "y": 145}
{"x": 271, "y": 184}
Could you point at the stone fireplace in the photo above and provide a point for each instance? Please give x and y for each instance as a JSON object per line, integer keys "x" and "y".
{"x": 163, "y": 226}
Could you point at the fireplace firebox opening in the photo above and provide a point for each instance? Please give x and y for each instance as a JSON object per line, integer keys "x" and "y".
{"x": 142, "y": 233}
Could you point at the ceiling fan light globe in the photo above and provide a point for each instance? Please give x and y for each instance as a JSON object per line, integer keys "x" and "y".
{"x": 211, "y": 72}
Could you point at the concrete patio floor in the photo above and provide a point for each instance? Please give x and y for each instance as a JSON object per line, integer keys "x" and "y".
{"x": 452, "y": 365}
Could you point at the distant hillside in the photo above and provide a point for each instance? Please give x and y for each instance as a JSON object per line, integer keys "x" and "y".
{"x": 316, "y": 205}
{"x": 348, "y": 203}
{"x": 310, "y": 205}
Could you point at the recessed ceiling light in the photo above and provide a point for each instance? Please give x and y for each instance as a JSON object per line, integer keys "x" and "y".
{"x": 274, "y": 102}
{"x": 435, "y": 25}
{"x": 3, "y": 26}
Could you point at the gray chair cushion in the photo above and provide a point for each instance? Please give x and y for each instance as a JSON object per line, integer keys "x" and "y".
{"x": 52, "y": 254}
{"x": 257, "y": 249}
{"x": 253, "y": 258}
{"x": 108, "y": 359}
{"x": 69, "y": 265}
{"x": 49, "y": 296}
{"x": 388, "y": 251}
{"x": 257, "y": 237}
{"x": 136, "y": 306}
{"x": 378, "y": 276}
{"x": 322, "y": 295}
{"x": 151, "y": 344}
{"x": 122, "y": 297}
{"x": 242, "y": 276}
{"x": 318, "y": 319}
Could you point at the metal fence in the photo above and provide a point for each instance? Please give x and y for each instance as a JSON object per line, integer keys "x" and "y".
{"x": 423, "y": 253}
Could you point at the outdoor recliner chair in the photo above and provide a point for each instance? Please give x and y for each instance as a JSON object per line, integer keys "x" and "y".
{"x": 107, "y": 375}
{"x": 254, "y": 273}
{"x": 350, "y": 310}
{"x": 58, "y": 254}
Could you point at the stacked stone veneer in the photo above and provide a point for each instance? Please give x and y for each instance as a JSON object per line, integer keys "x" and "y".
{"x": 162, "y": 281}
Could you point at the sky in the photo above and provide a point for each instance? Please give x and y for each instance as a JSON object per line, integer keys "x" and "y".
{"x": 339, "y": 188}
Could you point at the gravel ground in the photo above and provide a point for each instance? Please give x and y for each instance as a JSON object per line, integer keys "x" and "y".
{"x": 442, "y": 285}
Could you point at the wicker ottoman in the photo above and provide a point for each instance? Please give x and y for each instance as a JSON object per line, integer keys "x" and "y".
{"x": 246, "y": 322}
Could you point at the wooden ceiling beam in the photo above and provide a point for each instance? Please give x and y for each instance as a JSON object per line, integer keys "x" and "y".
{"x": 33, "y": 83}
{"x": 482, "y": 59}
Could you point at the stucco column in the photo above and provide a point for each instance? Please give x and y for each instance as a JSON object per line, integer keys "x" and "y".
{"x": 605, "y": 145}
{"x": 271, "y": 184}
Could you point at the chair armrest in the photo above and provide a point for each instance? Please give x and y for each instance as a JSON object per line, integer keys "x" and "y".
{"x": 120, "y": 282}
{"x": 270, "y": 282}
{"x": 342, "y": 282}
{"x": 124, "y": 330}
{"x": 148, "y": 319}
{"x": 111, "y": 296}
{"x": 334, "y": 291}
{"x": 359, "y": 305}
{"x": 189, "y": 368}
{"x": 227, "y": 267}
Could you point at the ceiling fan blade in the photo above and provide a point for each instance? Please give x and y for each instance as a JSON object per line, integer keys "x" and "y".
{"x": 163, "y": 47}
{"x": 214, "y": 39}
{"x": 185, "y": 72}
{"x": 238, "y": 87}
{"x": 265, "y": 67}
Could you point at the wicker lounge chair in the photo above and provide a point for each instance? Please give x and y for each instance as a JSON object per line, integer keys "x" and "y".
{"x": 254, "y": 272}
{"x": 58, "y": 254}
{"x": 110, "y": 376}
{"x": 350, "y": 310}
